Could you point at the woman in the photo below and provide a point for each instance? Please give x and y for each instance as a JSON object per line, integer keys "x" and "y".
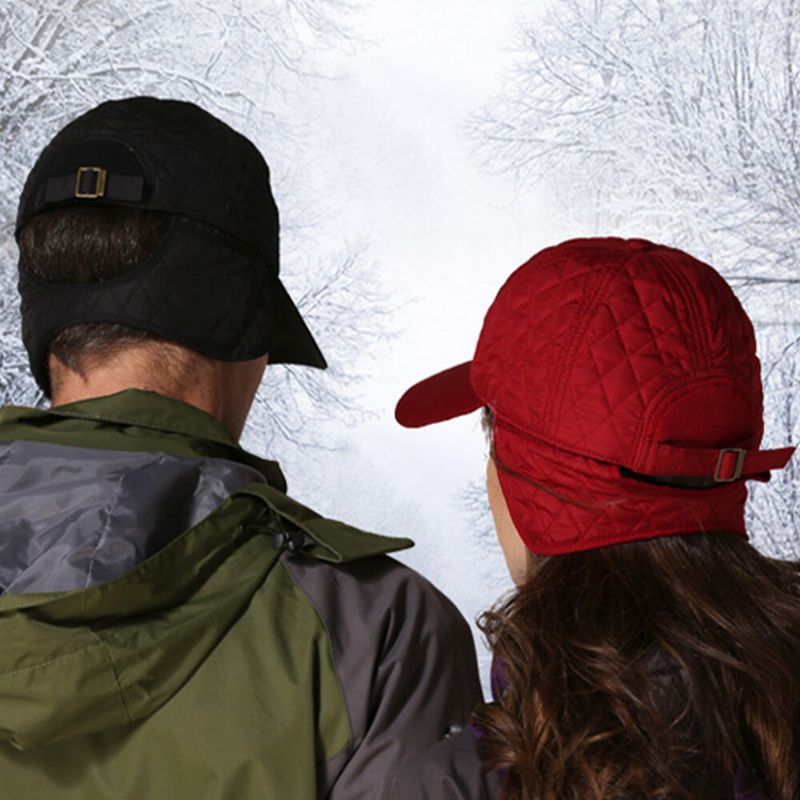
{"x": 649, "y": 650}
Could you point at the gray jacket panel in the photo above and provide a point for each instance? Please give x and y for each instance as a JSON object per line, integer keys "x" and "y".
{"x": 405, "y": 659}
{"x": 71, "y": 517}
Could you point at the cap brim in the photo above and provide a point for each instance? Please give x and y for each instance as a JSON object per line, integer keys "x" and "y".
{"x": 291, "y": 341}
{"x": 443, "y": 396}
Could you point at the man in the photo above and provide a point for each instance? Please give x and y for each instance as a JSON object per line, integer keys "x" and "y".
{"x": 172, "y": 624}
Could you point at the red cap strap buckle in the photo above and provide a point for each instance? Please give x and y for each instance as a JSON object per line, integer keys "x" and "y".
{"x": 737, "y": 467}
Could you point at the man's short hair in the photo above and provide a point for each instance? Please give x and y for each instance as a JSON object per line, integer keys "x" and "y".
{"x": 87, "y": 245}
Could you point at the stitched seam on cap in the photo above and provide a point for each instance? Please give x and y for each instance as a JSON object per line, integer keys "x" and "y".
{"x": 686, "y": 294}
{"x": 553, "y": 412}
{"x": 556, "y": 443}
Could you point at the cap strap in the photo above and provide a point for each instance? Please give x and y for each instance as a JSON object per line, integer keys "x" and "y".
{"x": 124, "y": 188}
{"x": 722, "y": 464}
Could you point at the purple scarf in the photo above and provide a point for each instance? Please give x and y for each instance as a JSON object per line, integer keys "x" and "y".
{"x": 741, "y": 792}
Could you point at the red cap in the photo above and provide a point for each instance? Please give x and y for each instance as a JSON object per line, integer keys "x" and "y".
{"x": 601, "y": 354}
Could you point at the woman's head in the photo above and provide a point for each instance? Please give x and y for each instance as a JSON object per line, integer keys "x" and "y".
{"x": 649, "y": 651}
{"x": 613, "y": 367}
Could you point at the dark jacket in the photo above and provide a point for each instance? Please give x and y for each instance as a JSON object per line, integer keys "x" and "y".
{"x": 174, "y": 626}
{"x": 451, "y": 770}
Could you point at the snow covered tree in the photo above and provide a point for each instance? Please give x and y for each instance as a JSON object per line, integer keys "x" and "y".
{"x": 774, "y": 508}
{"x": 678, "y": 116}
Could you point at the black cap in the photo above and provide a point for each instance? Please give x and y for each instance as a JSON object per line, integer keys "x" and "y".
{"x": 169, "y": 156}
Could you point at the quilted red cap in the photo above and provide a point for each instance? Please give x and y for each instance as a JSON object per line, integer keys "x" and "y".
{"x": 613, "y": 366}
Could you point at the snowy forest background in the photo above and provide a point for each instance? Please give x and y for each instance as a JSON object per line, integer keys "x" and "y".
{"x": 421, "y": 151}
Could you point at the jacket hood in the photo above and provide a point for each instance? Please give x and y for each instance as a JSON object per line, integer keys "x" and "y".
{"x": 82, "y": 661}
{"x": 133, "y": 533}
{"x": 71, "y": 517}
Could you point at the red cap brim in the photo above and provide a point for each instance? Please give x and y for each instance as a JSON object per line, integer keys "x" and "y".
{"x": 443, "y": 396}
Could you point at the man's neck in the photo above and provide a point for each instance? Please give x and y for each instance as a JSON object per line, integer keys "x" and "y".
{"x": 224, "y": 389}
{"x": 203, "y": 392}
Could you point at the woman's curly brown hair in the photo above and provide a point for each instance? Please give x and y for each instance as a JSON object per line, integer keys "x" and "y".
{"x": 652, "y": 669}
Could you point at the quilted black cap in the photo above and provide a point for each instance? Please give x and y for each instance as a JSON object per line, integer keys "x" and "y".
{"x": 169, "y": 156}
{"x": 166, "y": 155}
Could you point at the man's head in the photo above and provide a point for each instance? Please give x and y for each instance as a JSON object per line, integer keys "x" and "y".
{"x": 149, "y": 238}
{"x": 90, "y": 245}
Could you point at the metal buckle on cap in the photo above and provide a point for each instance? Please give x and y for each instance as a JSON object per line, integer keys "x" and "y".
{"x": 737, "y": 469}
{"x": 99, "y": 189}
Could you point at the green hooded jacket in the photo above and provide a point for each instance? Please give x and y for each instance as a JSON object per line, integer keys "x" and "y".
{"x": 172, "y": 625}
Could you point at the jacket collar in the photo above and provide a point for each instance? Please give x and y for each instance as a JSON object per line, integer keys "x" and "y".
{"x": 139, "y": 408}
{"x": 146, "y": 409}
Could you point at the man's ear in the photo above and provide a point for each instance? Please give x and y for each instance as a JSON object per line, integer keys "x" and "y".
{"x": 241, "y": 380}
{"x": 58, "y": 372}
